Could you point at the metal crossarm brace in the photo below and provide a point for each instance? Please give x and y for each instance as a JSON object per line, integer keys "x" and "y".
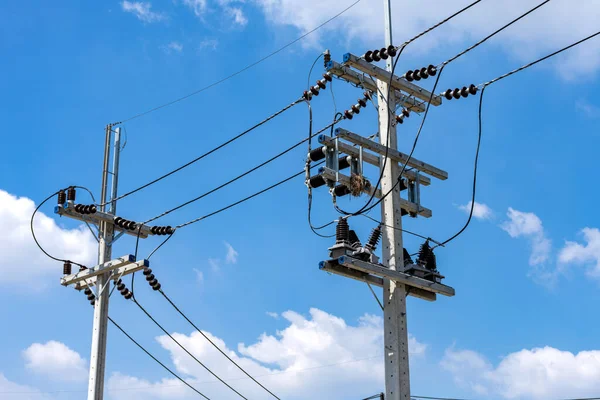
{"x": 97, "y": 270}
{"x": 99, "y": 216}
{"x": 345, "y": 180}
{"x": 393, "y": 154}
{"x": 127, "y": 269}
{"x": 347, "y": 74}
{"x": 368, "y": 158}
{"x": 396, "y": 276}
{"x": 397, "y": 83}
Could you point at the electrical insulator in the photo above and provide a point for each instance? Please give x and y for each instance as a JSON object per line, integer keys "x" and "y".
{"x": 416, "y": 76}
{"x": 348, "y": 114}
{"x": 405, "y": 112}
{"x": 147, "y": 271}
{"x": 407, "y": 259}
{"x": 327, "y": 77}
{"x": 307, "y": 95}
{"x": 314, "y": 90}
{"x": 356, "y": 108}
{"x": 67, "y": 268}
{"x": 473, "y": 89}
{"x": 464, "y": 92}
{"x": 322, "y": 84}
{"x": 367, "y": 95}
{"x": 362, "y": 102}
{"x": 87, "y": 291}
{"x": 120, "y": 286}
{"x": 375, "y": 56}
{"x": 400, "y": 119}
{"x": 326, "y": 57}
{"x": 125, "y": 293}
{"x": 341, "y": 190}
{"x": 316, "y": 181}
{"x": 150, "y": 277}
{"x": 343, "y": 162}
{"x": 354, "y": 240}
{"x": 448, "y": 94}
{"x": 431, "y": 70}
{"x": 62, "y": 197}
{"x": 71, "y": 193}
{"x": 128, "y": 296}
{"x": 456, "y": 93}
{"x": 342, "y": 231}
{"x": 156, "y": 287}
{"x": 374, "y": 238}
{"x": 392, "y": 51}
{"x": 368, "y": 56}
{"x": 383, "y": 53}
{"x": 424, "y": 251}
{"x": 91, "y": 297}
{"x": 409, "y": 75}
{"x": 153, "y": 282}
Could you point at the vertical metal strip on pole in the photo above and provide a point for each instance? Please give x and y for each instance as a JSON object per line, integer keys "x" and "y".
{"x": 115, "y": 171}
{"x": 100, "y": 327}
{"x": 397, "y": 377}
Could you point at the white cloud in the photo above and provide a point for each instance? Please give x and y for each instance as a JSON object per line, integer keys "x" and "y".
{"x": 208, "y": 43}
{"x": 529, "y": 225}
{"x": 232, "y": 254}
{"x": 553, "y": 26}
{"x": 55, "y": 360}
{"x": 14, "y": 391}
{"x": 575, "y": 253}
{"x": 22, "y": 262}
{"x": 215, "y": 264}
{"x": 197, "y": 6}
{"x": 173, "y": 47}
{"x": 480, "y": 210}
{"x": 589, "y": 110}
{"x": 199, "y": 276}
{"x": 238, "y": 16}
{"x": 319, "y": 356}
{"x": 142, "y": 10}
{"x": 540, "y": 373}
{"x": 272, "y": 314}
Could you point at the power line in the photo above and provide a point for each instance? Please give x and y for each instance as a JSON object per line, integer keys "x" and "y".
{"x": 213, "y": 344}
{"x": 241, "y": 70}
{"x": 186, "y": 350}
{"x": 264, "y": 121}
{"x": 156, "y": 359}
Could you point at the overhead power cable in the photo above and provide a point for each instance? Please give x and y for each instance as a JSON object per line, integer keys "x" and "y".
{"x": 213, "y": 343}
{"x": 156, "y": 359}
{"x": 186, "y": 350}
{"x": 264, "y": 121}
{"x": 247, "y": 67}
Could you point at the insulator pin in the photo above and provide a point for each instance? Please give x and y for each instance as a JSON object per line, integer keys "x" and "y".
{"x": 67, "y": 268}
{"x": 71, "y": 194}
{"x": 342, "y": 231}
{"x": 374, "y": 238}
{"x": 62, "y": 197}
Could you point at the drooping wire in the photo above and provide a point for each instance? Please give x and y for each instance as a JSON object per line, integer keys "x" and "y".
{"x": 264, "y": 121}
{"x": 243, "y": 69}
{"x": 213, "y": 343}
{"x": 311, "y": 69}
{"x": 185, "y": 349}
{"x": 156, "y": 359}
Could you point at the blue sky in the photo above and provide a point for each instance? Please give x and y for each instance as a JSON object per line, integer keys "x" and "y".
{"x": 526, "y": 272}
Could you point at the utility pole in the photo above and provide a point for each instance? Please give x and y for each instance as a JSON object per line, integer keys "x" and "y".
{"x": 395, "y": 339}
{"x": 106, "y": 236}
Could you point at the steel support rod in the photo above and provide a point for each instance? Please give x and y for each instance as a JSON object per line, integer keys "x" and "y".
{"x": 397, "y": 377}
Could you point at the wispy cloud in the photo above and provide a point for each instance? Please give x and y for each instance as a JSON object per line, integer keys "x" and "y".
{"x": 238, "y": 16}
{"x": 215, "y": 264}
{"x": 142, "y": 10}
{"x": 480, "y": 210}
{"x": 232, "y": 254}
{"x": 173, "y": 47}
{"x": 272, "y": 314}
{"x": 588, "y": 253}
{"x": 208, "y": 43}
{"x": 199, "y": 276}
{"x": 587, "y": 109}
{"x": 197, "y": 6}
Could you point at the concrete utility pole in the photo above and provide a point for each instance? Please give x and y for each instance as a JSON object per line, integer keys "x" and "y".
{"x": 397, "y": 377}
{"x": 106, "y": 236}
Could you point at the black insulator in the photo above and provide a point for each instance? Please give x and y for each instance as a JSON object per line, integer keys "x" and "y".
{"x": 79, "y": 208}
{"x": 163, "y": 230}
{"x": 464, "y": 92}
{"x": 153, "y": 282}
{"x": 343, "y": 163}
{"x": 448, "y": 94}
{"x": 93, "y": 209}
{"x": 147, "y": 271}
{"x": 407, "y": 259}
{"x": 354, "y": 240}
{"x": 409, "y": 76}
{"x": 362, "y": 102}
{"x": 125, "y": 292}
{"x": 119, "y": 282}
{"x": 355, "y": 109}
{"x": 391, "y": 50}
{"x": 128, "y": 296}
{"x": 416, "y": 76}
{"x": 153, "y": 230}
{"x": 456, "y": 93}
{"x": 473, "y": 89}
{"x": 367, "y": 95}
{"x": 423, "y": 73}
{"x": 87, "y": 291}
{"x": 321, "y": 84}
{"x": 67, "y": 268}
{"x": 348, "y": 114}
{"x": 327, "y": 77}
{"x": 375, "y": 55}
{"x": 368, "y": 57}
{"x": 342, "y": 231}
{"x": 91, "y": 297}
{"x": 150, "y": 277}
{"x": 87, "y": 209}
{"x": 326, "y": 57}
{"x": 403, "y": 184}
{"x": 156, "y": 287}
{"x": 431, "y": 262}
{"x": 314, "y": 91}
{"x": 316, "y": 181}
{"x": 424, "y": 251}
{"x": 405, "y": 112}
{"x": 399, "y": 119}
{"x": 307, "y": 95}
{"x": 71, "y": 194}
{"x": 120, "y": 286}
{"x": 341, "y": 190}
{"x": 169, "y": 230}
{"x": 133, "y": 226}
{"x": 62, "y": 197}
{"x": 431, "y": 70}
{"x": 374, "y": 238}
{"x": 383, "y": 53}
{"x": 118, "y": 221}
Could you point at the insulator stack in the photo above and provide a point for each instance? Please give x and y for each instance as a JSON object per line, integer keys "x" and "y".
{"x": 86, "y": 209}
{"x": 321, "y": 84}
{"x": 342, "y": 231}
{"x": 458, "y": 93}
{"x": 405, "y": 114}
{"x": 318, "y": 154}
{"x": 374, "y": 238}
{"x": 426, "y": 257}
{"x": 162, "y": 230}
{"x": 341, "y": 190}
{"x": 123, "y": 290}
{"x": 355, "y": 109}
{"x": 125, "y": 224}
{"x": 420, "y": 73}
{"x": 326, "y": 57}
{"x": 71, "y": 194}
{"x": 67, "y": 268}
{"x": 62, "y": 197}
{"x": 407, "y": 258}
{"x": 380, "y": 54}
{"x": 151, "y": 279}
{"x": 354, "y": 240}
{"x": 90, "y": 296}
